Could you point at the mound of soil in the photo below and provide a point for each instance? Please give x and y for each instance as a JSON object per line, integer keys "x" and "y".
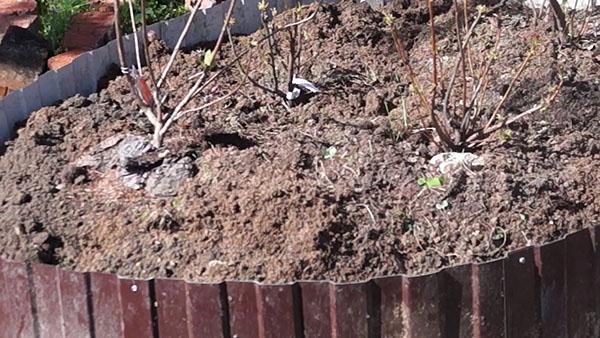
{"x": 327, "y": 189}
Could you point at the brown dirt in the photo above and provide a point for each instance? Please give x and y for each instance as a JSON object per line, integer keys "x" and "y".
{"x": 266, "y": 205}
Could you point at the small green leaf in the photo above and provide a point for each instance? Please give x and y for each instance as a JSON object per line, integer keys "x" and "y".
{"x": 388, "y": 20}
{"x": 208, "y": 58}
{"x": 263, "y": 5}
{"x": 176, "y": 203}
{"x": 523, "y": 217}
{"x": 329, "y": 153}
{"x": 430, "y": 182}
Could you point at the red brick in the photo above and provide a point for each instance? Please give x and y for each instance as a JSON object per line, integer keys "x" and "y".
{"x": 19, "y": 13}
{"x": 89, "y": 30}
{"x": 10, "y": 7}
{"x": 63, "y": 59}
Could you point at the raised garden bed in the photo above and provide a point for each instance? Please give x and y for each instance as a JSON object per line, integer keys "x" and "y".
{"x": 329, "y": 189}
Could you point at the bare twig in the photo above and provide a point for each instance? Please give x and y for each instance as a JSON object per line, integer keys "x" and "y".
{"x": 247, "y": 76}
{"x": 524, "y": 64}
{"x": 156, "y": 92}
{"x": 293, "y": 34}
{"x": 461, "y": 47}
{"x": 434, "y": 73}
{"x": 224, "y": 29}
{"x": 401, "y": 50}
{"x": 482, "y": 134}
{"x": 178, "y": 44}
{"x": 135, "y": 36}
{"x": 271, "y": 42}
{"x": 559, "y": 17}
{"x": 121, "y": 55}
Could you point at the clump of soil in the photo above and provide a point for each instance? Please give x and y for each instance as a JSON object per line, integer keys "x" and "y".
{"x": 326, "y": 190}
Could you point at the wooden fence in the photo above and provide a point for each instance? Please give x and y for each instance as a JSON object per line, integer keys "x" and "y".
{"x": 547, "y": 291}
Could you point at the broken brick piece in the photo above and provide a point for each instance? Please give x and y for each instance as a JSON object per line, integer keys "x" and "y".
{"x": 63, "y": 59}
{"x": 89, "y": 30}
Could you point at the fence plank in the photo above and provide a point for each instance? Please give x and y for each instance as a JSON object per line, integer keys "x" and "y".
{"x": 106, "y": 305}
{"x": 595, "y": 236}
{"x": 550, "y": 263}
{"x": 16, "y": 315}
{"x": 421, "y": 298}
{"x": 457, "y": 301}
{"x": 581, "y": 303}
{"x": 242, "y": 309}
{"x": 279, "y": 314}
{"x": 488, "y": 299}
{"x": 136, "y": 306}
{"x": 349, "y": 312}
{"x": 45, "y": 284}
{"x": 171, "y": 298}
{"x": 316, "y": 309}
{"x": 522, "y": 295}
{"x": 392, "y": 316}
{"x": 74, "y": 304}
{"x": 208, "y": 314}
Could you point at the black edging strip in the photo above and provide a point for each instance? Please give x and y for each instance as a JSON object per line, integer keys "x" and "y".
{"x": 224, "y": 310}
{"x": 153, "y": 308}
{"x": 90, "y": 304}
{"x": 373, "y": 309}
{"x": 298, "y": 311}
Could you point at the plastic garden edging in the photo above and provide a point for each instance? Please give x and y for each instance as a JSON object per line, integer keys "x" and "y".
{"x": 551, "y": 290}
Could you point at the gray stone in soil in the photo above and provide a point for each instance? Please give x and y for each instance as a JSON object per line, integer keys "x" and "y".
{"x": 138, "y": 166}
{"x": 131, "y": 148}
{"x": 166, "y": 179}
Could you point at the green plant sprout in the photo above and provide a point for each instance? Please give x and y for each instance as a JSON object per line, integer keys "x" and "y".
{"x": 329, "y": 152}
{"x": 430, "y": 182}
{"x": 55, "y": 16}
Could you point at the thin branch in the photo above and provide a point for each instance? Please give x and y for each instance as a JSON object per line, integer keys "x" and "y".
{"x": 122, "y": 62}
{"x": 484, "y": 133}
{"x": 272, "y": 53}
{"x": 275, "y": 31}
{"x": 156, "y": 92}
{"x": 458, "y": 63}
{"x": 434, "y": 74}
{"x": 180, "y": 114}
{"x": 462, "y": 59}
{"x": 206, "y": 105}
{"x": 135, "y": 37}
{"x": 292, "y": 33}
{"x": 247, "y": 76}
{"x": 178, "y": 44}
{"x": 559, "y": 15}
{"x": 225, "y": 28}
{"x": 510, "y": 87}
{"x": 401, "y": 50}
{"x": 482, "y": 84}
{"x": 119, "y": 35}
